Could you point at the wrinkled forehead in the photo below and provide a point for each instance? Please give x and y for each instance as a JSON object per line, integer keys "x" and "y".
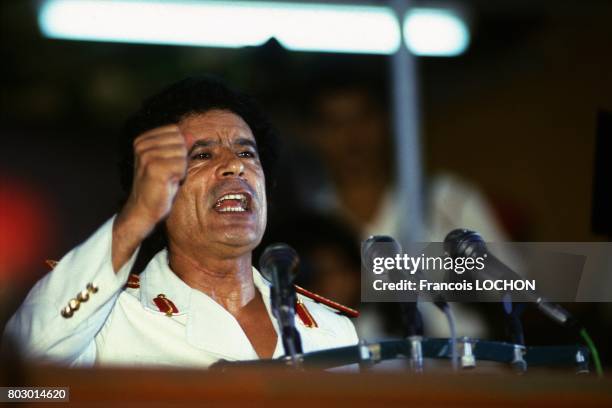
{"x": 216, "y": 125}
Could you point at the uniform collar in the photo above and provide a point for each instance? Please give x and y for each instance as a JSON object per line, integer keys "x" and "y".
{"x": 158, "y": 279}
{"x": 209, "y": 325}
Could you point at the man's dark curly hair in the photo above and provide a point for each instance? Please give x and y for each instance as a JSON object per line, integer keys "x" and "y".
{"x": 195, "y": 95}
{"x": 192, "y": 96}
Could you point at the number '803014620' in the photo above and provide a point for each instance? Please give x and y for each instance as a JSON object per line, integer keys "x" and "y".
{"x": 35, "y": 394}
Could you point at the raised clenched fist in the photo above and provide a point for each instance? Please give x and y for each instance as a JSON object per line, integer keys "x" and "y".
{"x": 160, "y": 163}
{"x": 160, "y": 158}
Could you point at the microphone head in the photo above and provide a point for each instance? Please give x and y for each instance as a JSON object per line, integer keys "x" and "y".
{"x": 279, "y": 256}
{"x": 463, "y": 242}
{"x": 370, "y": 251}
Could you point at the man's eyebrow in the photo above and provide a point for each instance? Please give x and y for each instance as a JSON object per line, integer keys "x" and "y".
{"x": 201, "y": 143}
{"x": 243, "y": 141}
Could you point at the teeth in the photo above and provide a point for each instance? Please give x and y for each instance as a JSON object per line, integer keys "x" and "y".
{"x": 232, "y": 209}
{"x": 232, "y": 197}
{"x": 241, "y": 197}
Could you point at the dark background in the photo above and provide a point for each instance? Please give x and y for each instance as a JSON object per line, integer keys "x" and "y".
{"x": 516, "y": 115}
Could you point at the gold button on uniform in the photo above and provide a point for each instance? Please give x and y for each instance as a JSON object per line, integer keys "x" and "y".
{"x": 74, "y": 304}
{"x": 67, "y": 312}
{"x": 82, "y": 296}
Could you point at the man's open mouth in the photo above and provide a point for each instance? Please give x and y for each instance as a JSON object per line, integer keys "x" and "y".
{"x": 233, "y": 202}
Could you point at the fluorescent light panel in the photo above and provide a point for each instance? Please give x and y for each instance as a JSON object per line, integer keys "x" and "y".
{"x": 435, "y": 32}
{"x": 299, "y": 27}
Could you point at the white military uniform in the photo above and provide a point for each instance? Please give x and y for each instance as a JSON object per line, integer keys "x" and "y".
{"x": 117, "y": 324}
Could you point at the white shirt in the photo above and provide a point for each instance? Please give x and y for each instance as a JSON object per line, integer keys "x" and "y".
{"x": 124, "y": 326}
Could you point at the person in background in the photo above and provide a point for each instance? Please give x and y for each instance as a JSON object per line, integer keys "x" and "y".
{"x": 352, "y": 132}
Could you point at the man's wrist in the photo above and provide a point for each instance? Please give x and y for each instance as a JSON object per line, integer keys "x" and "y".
{"x": 133, "y": 223}
{"x": 129, "y": 230}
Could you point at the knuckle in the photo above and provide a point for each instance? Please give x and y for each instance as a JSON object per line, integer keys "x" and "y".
{"x": 140, "y": 138}
{"x": 141, "y": 146}
{"x": 137, "y": 146}
{"x": 145, "y": 157}
{"x": 169, "y": 127}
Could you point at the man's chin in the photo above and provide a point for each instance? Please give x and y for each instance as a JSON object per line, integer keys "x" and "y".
{"x": 240, "y": 238}
{"x": 239, "y": 235}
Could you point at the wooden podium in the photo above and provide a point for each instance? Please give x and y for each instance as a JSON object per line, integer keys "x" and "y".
{"x": 273, "y": 387}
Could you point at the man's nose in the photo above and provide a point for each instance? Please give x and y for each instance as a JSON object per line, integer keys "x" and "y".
{"x": 231, "y": 166}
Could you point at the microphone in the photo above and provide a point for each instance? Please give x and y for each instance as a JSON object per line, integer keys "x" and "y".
{"x": 279, "y": 266}
{"x": 379, "y": 246}
{"x": 412, "y": 320}
{"x": 383, "y": 246}
{"x": 469, "y": 244}
{"x": 390, "y": 250}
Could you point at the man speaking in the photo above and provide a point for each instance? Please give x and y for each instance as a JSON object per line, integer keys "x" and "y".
{"x": 199, "y": 157}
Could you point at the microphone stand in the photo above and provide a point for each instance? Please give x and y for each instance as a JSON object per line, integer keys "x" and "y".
{"x": 412, "y": 325}
{"x": 514, "y": 327}
{"x": 282, "y": 300}
{"x": 279, "y": 264}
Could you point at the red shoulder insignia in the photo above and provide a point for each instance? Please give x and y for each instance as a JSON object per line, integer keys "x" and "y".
{"x": 305, "y": 317}
{"x": 347, "y": 311}
{"x": 51, "y": 263}
{"x": 165, "y": 305}
{"x": 133, "y": 282}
